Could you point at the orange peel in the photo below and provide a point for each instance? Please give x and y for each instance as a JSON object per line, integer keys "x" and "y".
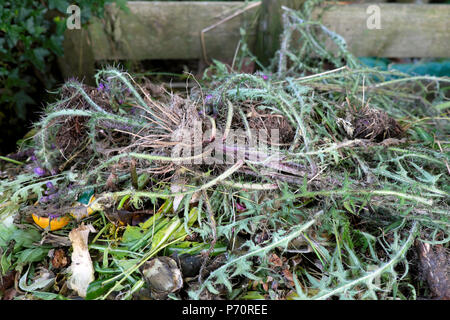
{"x": 55, "y": 223}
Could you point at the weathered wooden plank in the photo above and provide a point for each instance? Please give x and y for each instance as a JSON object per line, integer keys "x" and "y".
{"x": 78, "y": 60}
{"x": 158, "y": 30}
{"x": 169, "y": 30}
{"x": 407, "y": 30}
{"x": 270, "y": 27}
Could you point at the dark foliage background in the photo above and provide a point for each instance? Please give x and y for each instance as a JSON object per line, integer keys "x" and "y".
{"x": 31, "y": 37}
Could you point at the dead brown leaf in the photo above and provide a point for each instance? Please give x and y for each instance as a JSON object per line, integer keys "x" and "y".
{"x": 59, "y": 259}
{"x": 275, "y": 260}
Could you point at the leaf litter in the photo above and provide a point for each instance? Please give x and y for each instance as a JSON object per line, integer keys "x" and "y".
{"x": 351, "y": 203}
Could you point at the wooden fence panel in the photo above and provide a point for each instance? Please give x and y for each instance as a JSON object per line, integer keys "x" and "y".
{"x": 162, "y": 30}
{"x": 407, "y": 30}
{"x": 172, "y": 30}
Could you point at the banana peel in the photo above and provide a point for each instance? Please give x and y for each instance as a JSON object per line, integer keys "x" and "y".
{"x": 81, "y": 270}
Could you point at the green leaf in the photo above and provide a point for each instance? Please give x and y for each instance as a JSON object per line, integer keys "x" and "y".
{"x": 163, "y": 235}
{"x": 442, "y": 106}
{"x": 126, "y": 264}
{"x": 97, "y": 288}
{"x": 6, "y": 233}
{"x": 48, "y": 296}
{"x": 394, "y": 225}
{"x": 424, "y": 135}
{"x": 54, "y": 43}
{"x": 32, "y": 255}
{"x": 39, "y": 55}
{"x": 12, "y": 37}
{"x": 60, "y": 5}
{"x": 29, "y": 24}
{"x": 25, "y": 238}
{"x": 349, "y": 206}
{"x": 132, "y": 233}
{"x": 22, "y": 99}
{"x": 39, "y": 283}
{"x": 194, "y": 248}
{"x": 122, "y": 4}
{"x": 5, "y": 263}
{"x": 253, "y": 295}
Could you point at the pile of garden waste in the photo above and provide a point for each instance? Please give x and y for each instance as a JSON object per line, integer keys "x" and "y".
{"x": 314, "y": 178}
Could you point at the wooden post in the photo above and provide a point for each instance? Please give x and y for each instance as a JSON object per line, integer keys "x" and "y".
{"x": 78, "y": 60}
{"x": 270, "y": 27}
{"x": 269, "y": 30}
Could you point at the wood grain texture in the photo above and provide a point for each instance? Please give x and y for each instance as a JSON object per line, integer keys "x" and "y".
{"x": 407, "y": 30}
{"x": 78, "y": 60}
{"x": 269, "y": 30}
{"x": 171, "y": 30}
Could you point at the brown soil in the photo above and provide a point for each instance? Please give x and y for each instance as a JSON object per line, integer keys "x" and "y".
{"x": 73, "y": 130}
{"x": 375, "y": 125}
{"x": 267, "y": 122}
{"x": 70, "y": 135}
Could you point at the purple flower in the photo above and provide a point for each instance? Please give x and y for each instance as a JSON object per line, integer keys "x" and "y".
{"x": 208, "y": 97}
{"x": 100, "y": 87}
{"x": 53, "y": 216}
{"x": 39, "y": 171}
{"x": 33, "y": 158}
{"x": 54, "y": 171}
{"x": 50, "y": 185}
{"x": 53, "y": 196}
{"x": 43, "y": 199}
{"x": 264, "y": 77}
{"x": 240, "y": 207}
{"x": 120, "y": 101}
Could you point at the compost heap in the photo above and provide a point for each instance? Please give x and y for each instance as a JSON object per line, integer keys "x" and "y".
{"x": 336, "y": 173}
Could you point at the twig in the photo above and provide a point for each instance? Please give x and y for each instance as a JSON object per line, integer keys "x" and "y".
{"x": 11, "y": 160}
{"x": 315, "y": 75}
{"x": 443, "y": 79}
{"x": 212, "y": 223}
{"x": 63, "y": 166}
{"x": 237, "y": 13}
{"x": 445, "y": 161}
{"x": 229, "y": 119}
